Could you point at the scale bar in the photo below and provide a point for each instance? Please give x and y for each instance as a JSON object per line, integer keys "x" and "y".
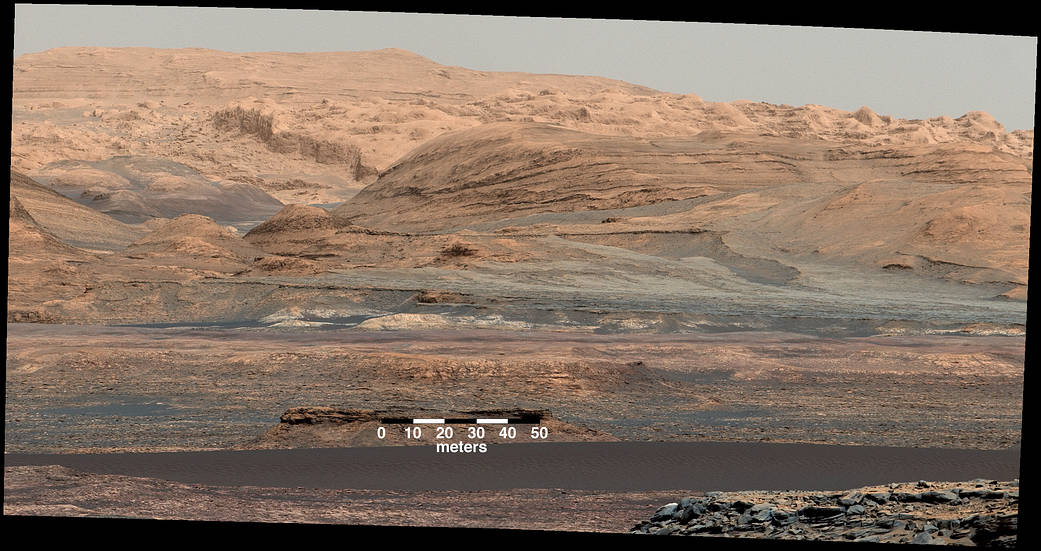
{"x": 522, "y": 420}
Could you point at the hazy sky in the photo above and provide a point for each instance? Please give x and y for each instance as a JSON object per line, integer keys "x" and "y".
{"x": 908, "y": 74}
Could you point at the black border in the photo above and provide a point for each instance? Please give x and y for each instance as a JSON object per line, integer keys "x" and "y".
{"x": 1006, "y": 21}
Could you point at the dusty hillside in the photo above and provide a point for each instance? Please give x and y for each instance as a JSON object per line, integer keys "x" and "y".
{"x": 26, "y": 238}
{"x": 959, "y": 212}
{"x": 315, "y": 128}
{"x": 391, "y": 72}
{"x": 196, "y": 239}
{"x": 302, "y": 126}
{"x": 307, "y": 222}
{"x": 575, "y": 203}
{"x": 69, "y": 221}
{"x": 504, "y": 170}
{"x": 136, "y": 189}
{"x": 38, "y": 261}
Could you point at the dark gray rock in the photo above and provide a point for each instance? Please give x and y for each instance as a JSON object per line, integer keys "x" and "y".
{"x": 781, "y": 517}
{"x": 852, "y": 516}
{"x": 851, "y": 499}
{"x": 665, "y": 512}
{"x": 757, "y": 514}
{"x": 939, "y": 497}
{"x": 878, "y": 497}
{"x": 823, "y": 500}
{"x": 692, "y": 511}
{"x": 994, "y": 530}
{"x": 741, "y": 506}
{"x": 707, "y": 528}
{"x": 762, "y": 516}
{"x": 817, "y": 513}
{"x": 719, "y": 506}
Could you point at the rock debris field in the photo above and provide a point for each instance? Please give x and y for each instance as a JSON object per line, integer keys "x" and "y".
{"x": 979, "y": 512}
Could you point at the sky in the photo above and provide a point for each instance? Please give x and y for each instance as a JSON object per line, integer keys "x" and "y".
{"x": 906, "y": 74}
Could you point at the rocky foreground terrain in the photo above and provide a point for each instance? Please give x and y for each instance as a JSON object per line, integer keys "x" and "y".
{"x": 979, "y": 512}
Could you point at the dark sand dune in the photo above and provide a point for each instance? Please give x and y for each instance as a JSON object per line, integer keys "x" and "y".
{"x": 609, "y": 466}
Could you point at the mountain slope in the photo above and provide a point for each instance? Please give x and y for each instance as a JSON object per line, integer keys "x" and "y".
{"x": 69, "y": 221}
{"x": 953, "y": 211}
{"x": 315, "y": 127}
